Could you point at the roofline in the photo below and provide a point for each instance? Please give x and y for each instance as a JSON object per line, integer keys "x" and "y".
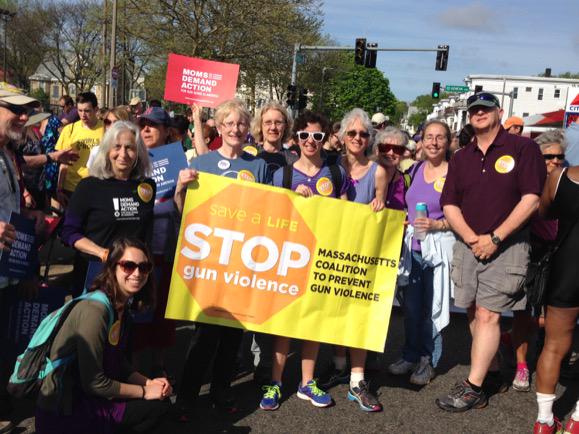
{"x": 520, "y": 77}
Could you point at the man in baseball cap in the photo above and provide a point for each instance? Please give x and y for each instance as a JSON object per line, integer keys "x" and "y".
{"x": 514, "y": 125}
{"x": 136, "y": 107}
{"x": 380, "y": 121}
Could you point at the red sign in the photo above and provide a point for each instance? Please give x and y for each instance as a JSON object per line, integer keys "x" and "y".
{"x": 207, "y": 83}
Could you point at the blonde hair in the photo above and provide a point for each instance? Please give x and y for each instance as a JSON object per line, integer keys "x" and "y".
{"x": 229, "y": 106}
{"x": 256, "y": 127}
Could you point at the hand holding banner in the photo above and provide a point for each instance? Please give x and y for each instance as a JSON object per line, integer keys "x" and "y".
{"x": 207, "y": 83}
{"x": 268, "y": 260}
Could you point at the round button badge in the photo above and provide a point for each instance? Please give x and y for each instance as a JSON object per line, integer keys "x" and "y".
{"x": 505, "y": 164}
{"x": 224, "y": 164}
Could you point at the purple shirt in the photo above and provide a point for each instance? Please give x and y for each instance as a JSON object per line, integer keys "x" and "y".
{"x": 487, "y": 188}
{"x": 321, "y": 183}
{"x": 395, "y": 194}
{"x": 71, "y": 116}
{"x": 429, "y": 193}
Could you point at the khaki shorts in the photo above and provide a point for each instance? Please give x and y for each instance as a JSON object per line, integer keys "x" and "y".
{"x": 496, "y": 285}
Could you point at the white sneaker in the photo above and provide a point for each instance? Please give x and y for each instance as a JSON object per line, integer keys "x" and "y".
{"x": 401, "y": 367}
{"x": 423, "y": 373}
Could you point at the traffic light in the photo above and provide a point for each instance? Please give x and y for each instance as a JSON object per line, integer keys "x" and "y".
{"x": 303, "y": 99}
{"x": 436, "y": 90}
{"x": 441, "y": 58}
{"x": 291, "y": 95}
{"x": 477, "y": 88}
{"x": 360, "y": 51}
{"x": 371, "y": 55}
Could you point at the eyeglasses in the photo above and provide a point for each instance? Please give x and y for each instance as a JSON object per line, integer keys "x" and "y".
{"x": 353, "y": 133}
{"x": 483, "y": 97}
{"x": 231, "y": 125}
{"x": 318, "y": 136}
{"x": 129, "y": 267}
{"x": 384, "y": 148}
{"x": 553, "y": 156}
{"x": 434, "y": 138}
{"x": 276, "y": 123}
{"x": 107, "y": 122}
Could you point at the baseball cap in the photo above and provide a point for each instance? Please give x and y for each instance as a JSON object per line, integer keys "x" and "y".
{"x": 514, "y": 120}
{"x": 484, "y": 99}
{"x": 379, "y": 118}
{"x": 135, "y": 100}
{"x": 156, "y": 115}
{"x": 10, "y": 94}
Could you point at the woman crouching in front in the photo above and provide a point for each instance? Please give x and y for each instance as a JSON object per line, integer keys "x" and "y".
{"x": 98, "y": 392}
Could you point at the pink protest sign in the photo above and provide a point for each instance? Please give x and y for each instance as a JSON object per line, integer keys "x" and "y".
{"x": 207, "y": 83}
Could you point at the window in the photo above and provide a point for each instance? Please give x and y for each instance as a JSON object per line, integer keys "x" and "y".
{"x": 540, "y": 95}
{"x": 55, "y": 91}
{"x": 557, "y": 93}
{"x": 72, "y": 89}
{"x": 525, "y": 114}
{"x": 515, "y": 92}
{"x": 528, "y": 89}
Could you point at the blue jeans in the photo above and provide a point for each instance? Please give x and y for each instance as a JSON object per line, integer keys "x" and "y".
{"x": 422, "y": 338}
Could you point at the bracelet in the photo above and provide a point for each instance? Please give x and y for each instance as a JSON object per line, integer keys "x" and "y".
{"x": 143, "y": 387}
{"x": 105, "y": 255}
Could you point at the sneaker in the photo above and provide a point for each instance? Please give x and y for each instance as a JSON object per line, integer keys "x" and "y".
{"x": 495, "y": 383}
{"x": 335, "y": 377}
{"x": 423, "y": 373}
{"x": 223, "y": 400}
{"x": 271, "y": 397}
{"x": 462, "y": 398}
{"x": 401, "y": 367}
{"x": 543, "y": 428}
{"x": 315, "y": 395}
{"x": 365, "y": 399}
{"x": 572, "y": 426}
{"x": 521, "y": 381}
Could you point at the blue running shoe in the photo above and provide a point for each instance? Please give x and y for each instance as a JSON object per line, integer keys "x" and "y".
{"x": 271, "y": 397}
{"x": 315, "y": 395}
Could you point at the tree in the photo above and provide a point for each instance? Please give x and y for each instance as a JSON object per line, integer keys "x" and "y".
{"x": 424, "y": 105}
{"x": 362, "y": 87}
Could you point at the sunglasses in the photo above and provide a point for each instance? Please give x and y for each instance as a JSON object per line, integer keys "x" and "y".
{"x": 107, "y": 122}
{"x": 353, "y": 133}
{"x": 305, "y": 135}
{"x": 129, "y": 267}
{"x": 384, "y": 148}
{"x": 553, "y": 156}
{"x": 483, "y": 97}
{"x": 18, "y": 110}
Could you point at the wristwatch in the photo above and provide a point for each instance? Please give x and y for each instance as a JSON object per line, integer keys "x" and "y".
{"x": 495, "y": 239}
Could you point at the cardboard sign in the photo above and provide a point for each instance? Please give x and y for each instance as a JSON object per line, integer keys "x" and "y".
{"x": 265, "y": 259}
{"x": 207, "y": 83}
{"x": 572, "y": 107}
{"x": 19, "y": 261}
{"x": 167, "y": 161}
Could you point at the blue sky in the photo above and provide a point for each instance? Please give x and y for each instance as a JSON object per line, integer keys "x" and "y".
{"x": 513, "y": 37}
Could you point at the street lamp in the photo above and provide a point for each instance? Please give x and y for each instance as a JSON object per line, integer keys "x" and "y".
{"x": 324, "y": 69}
{"x": 6, "y": 15}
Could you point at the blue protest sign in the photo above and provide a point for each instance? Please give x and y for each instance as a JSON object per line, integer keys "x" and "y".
{"x": 22, "y": 256}
{"x": 167, "y": 161}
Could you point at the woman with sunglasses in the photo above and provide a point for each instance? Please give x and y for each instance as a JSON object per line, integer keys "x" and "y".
{"x": 99, "y": 391}
{"x": 308, "y": 176}
{"x": 116, "y": 200}
{"x": 426, "y": 293}
{"x": 390, "y": 146}
{"x": 215, "y": 347}
{"x": 367, "y": 185}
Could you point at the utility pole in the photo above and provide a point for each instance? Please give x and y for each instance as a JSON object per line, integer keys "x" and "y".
{"x": 104, "y": 53}
{"x": 6, "y": 16}
{"x": 113, "y": 56}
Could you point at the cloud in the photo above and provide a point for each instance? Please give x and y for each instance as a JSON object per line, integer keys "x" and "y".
{"x": 473, "y": 17}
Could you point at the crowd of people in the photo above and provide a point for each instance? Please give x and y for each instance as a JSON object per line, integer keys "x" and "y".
{"x": 481, "y": 204}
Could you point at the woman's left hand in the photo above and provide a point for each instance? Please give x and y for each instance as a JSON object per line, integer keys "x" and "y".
{"x": 377, "y": 204}
{"x": 426, "y": 224}
{"x": 167, "y": 388}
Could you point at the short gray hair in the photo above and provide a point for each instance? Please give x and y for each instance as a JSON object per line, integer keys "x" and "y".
{"x": 350, "y": 118}
{"x": 387, "y": 132}
{"x": 550, "y": 137}
{"x": 101, "y": 168}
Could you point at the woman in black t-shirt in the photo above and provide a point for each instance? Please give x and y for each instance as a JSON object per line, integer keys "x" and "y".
{"x": 115, "y": 201}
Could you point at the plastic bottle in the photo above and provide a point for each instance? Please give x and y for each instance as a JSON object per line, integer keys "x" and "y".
{"x": 421, "y": 211}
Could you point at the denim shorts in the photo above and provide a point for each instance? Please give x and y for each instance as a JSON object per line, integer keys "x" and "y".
{"x": 495, "y": 284}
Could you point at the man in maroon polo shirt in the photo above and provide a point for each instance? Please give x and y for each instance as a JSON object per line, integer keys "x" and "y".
{"x": 491, "y": 190}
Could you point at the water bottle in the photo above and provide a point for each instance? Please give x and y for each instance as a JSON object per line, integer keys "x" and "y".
{"x": 421, "y": 211}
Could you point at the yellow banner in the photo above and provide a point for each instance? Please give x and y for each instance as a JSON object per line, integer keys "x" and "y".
{"x": 268, "y": 260}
